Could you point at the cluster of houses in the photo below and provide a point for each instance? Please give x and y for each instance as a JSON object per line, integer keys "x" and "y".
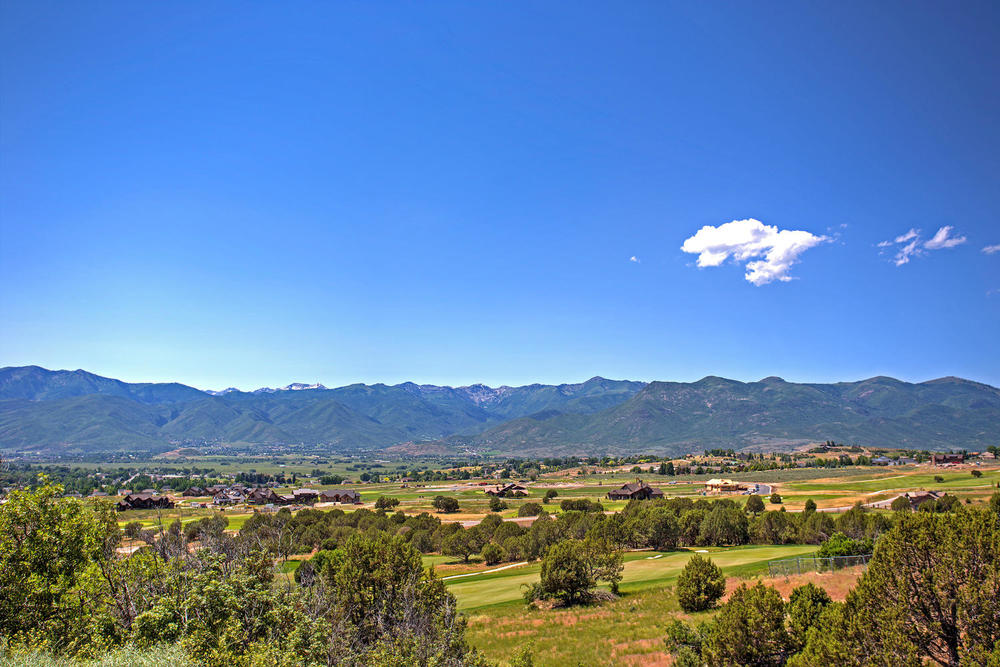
{"x": 147, "y": 500}
{"x": 236, "y": 494}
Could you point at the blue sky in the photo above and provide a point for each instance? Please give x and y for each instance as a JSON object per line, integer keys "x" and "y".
{"x": 263, "y": 193}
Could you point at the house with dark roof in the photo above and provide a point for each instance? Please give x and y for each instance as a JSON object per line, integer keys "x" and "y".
{"x": 263, "y": 497}
{"x": 193, "y": 491}
{"x": 346, "y": 496}
{"x": 144, "y": 501}
{"x": 637, "y": 490}
{"x": 506, "y": 490}
{"x": 918, "y": 498}
{"x": 947, "y": 459}
{"x": 305, "y": 495}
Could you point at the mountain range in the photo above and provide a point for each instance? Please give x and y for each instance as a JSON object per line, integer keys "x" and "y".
{"x": 78, "y": 412}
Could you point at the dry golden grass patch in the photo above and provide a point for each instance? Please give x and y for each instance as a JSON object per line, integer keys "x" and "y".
{"x": 837, "y": 584}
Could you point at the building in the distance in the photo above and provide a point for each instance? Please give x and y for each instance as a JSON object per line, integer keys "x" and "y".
{"x": 723, "y": 486}
{"x": 637, "y": 490}
{"x": 144, "y": 501}
{"x": 947, "y": 459}
{"x": 505, "y": 490}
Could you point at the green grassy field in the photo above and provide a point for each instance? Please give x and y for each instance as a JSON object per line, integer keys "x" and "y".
{"x": 643, "y": 570}
{"x": 905, "y": 479}
{"x": 629, "y": 630}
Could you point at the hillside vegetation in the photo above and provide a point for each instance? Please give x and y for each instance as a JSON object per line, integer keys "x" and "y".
{"x": 76, "y": 411}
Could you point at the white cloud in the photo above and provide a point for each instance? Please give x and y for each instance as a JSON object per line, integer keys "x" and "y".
{"x": 744, "y": 240}
{"x": 943, "y": 239}
{"x": 911, "y": 249}
{"x": 912, "y": 245}
{"x": 635, "y": 259}
{"x": 990, "y": 249}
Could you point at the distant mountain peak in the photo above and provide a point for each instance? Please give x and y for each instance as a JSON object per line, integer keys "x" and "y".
{"x": 222, "y": 392}
{"x": 480, "y": 393}
{"x": 295, "y": 386}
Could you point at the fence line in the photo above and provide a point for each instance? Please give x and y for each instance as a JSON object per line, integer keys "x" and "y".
{"x": 788, "y": 566}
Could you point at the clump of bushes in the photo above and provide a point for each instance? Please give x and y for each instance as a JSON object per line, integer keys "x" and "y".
{"x": 700, "y": 584}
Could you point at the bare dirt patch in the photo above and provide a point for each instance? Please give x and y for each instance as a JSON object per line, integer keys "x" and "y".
{"x": 838, "y": 584}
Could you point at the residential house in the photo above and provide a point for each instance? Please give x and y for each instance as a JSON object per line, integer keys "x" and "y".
{"x": 723, "y": 486}
{"x": 346, "y": 496}
{"x": 144, "y": 501}
{"x": 637, "y": 490}
{"x": 194, "y": 491}
{"x": 263, "y": 496}
{"x": 506, "y": 490}
{"x": 305, "y": 495}
{"x": 918, "y": 498}
{"x": 947, "y": 459}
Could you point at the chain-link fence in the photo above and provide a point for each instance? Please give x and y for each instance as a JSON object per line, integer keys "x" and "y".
{"x": 788, "y": 566}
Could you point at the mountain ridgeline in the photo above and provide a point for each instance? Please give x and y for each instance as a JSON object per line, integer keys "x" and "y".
{"x": 78, "y": 412}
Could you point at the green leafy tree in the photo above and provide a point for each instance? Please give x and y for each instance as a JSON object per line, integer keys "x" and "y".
{"x": 492, "y": 554}
{"x": 685, "y": 643}
{"x": 841, "y": 545}
{"x": 445, "y": 504}
{"x": 47, "y": 546}
{"x": 929, "y": 594}
{"x": 530, "y": 509}
{"x": 775, "y": 498}
{"x": 723, "y": 525}
{"x": 566, "y": 573}
{"x": 810, "y": 505}
{"x": 497, "y": 504}
{"x": 605, "y": 560}
{"x": 754, "y": 504}
{"x": 549, "y": 495}
{"x": 690, "y": 526}
{"x": 662, "y": 529}
{"x": 900, "y": 504}
{"x": 391, "y": 608}
{"x": 386, "y": 503}
{"x": 749, "y": 630}
{"x": 700, "y": 584}
{"x": 460, "y": 543}
{"x": 805, "y": 605}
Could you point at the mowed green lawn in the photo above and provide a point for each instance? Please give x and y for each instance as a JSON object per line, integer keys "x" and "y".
{"x": 891, "y": 479}
{"x": 643, "y": 570}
